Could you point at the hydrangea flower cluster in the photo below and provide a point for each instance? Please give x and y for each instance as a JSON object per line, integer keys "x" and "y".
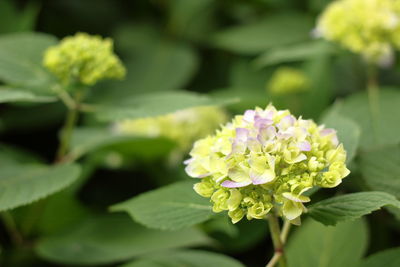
{"x": 368, "y": 27}
{"x": 83, "y": 59}
{"x": 183, "y": 127}
{"x": 266, "y": 159}
{"x": 287, "y": 80}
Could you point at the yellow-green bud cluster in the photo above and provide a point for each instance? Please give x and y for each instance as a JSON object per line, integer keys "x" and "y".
{"x": 287, "y": 80}
{"x": 368, "y": 27}
{"x": 184, "y": 126}
{"x": 83, "y": 59}
{"x": 266, "y": 159}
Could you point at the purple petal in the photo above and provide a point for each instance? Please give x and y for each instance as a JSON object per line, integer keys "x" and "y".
{"x": 327, "y": 131}
{"x": 186, "y": 162}
{"x": 257, "y": 178}
{"x": 241, "y": 134}
{"x": 262, "y": 123}
{"x": 232, "y": 184}
{"x": 266, "y": 134}
{"x": 249, "y": 115}
{"x": 286, "y": 122}
{"x": 304, "y": 146}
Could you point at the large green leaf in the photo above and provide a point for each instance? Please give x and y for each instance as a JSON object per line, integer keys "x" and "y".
{"x": 147, "y": 105}
{"x": 21, "y": 184}
{"x": 387, "y": 258}
{"x": 377, "y": 129}
{"x": 347, "y": 130}
{"x": 293, "y": 53}
{"x": 17, "y": 95}
{"x": 172, "y": 207}
{"x": 381, "y": 169}
{"x": 112, "y": 238}
{"x": 316, "y": 245}
{"x": 192, "y": 258}
{"x": 350, "y": 206}
{"x": 21, "y": 56}
{"x": 275, "y": 30}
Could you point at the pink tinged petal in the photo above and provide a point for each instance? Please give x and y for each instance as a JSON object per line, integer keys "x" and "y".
{"x": 249, "y": 115}
{"x": 232, "y": 184}
{"x": 262, "y": 178}
{"x": 239, "y": 147}
{"x": 286, "y": 122}
{"x": 266, "y": 134}
{"x": 325, "y": 132}
{"x": 241, "y": 134}
{"x": 186, "y": 162}
{"x": 262, "y": 123}
{"x": 304, "y": 146}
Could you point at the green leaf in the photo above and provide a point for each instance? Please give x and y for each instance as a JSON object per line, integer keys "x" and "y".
{"x": 154, "y": 104}
{"x": 89, "y": 139}
{"x": 293, "y": 53}
{"x": 347, "y": 130}
{"x": 275, "y": 30}
{"x": 316, "y": 245}
{"x": 112, "y": 238}
{"x": 21, "y": 184}
{"x": 18, "y": 95}
{"x": 350, "y": 206}
{"x": 387, "y": 258}
{"x": 380, "y": 129}
{"x": 12, "y": 19}
{"x": 381, "y": 169}
{"x": 171, "y": 207}
{"x": 192, "y": 258}
{"x": 21, "y": 57}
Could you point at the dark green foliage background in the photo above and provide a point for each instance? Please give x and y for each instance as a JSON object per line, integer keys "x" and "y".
{"x": 175, "y": 50}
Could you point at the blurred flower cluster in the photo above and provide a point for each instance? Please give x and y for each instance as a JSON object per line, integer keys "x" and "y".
{"x": 266, "y": 159}
{"x": 287, "y": 80}
{"x": 368, "y": 27}
{"x": 83, "y": 59}
{"x": 183, "y": 127}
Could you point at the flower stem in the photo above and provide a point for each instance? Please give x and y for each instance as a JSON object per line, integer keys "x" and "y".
{"x": 11, "y": 228}
{"x": 66, "y": 132}
{"x": 279, "y": 256}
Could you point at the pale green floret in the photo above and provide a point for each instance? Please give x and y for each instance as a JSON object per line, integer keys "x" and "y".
{"x": 83, "y": 59}
{"x": 266, "y": 160}
{"x": 287, "y": 80}
{"x": 183, "y": 126}
{"x": 368, "y": 27}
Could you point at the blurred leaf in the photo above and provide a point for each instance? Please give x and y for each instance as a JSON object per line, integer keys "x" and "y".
{"x": 347, "y": 130}
{"x": 10, "y": 155}
{"x": 192, "y": 258}
{"x": 184, "y": 20}
{"x": 387, "y": 258}
{"x": 350, "y": 206}
{"x": 89, "y": 139}
{"x": 22, "y": 184}
{"x": 381, "y": 169}
{"x": 14, "y": 20}
{"x": 111, "y": 238}
{"x": 17, "y": 95}
{"x": 316, "y": 245}
{"x": 293, "y": 53}
{"x": 275, "y": 30}
{"x": 380, "y": 129}
{"x": 154, "y": 104}
{"x": 171, "y": 207}
{"x": 21, "y": 59}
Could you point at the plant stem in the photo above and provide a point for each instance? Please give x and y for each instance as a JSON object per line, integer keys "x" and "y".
{"x": 11, "y": 228}
{"x": 66, "y": 132}
{"x": 285, "y": 231}
{"x": 275, "y": 232}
